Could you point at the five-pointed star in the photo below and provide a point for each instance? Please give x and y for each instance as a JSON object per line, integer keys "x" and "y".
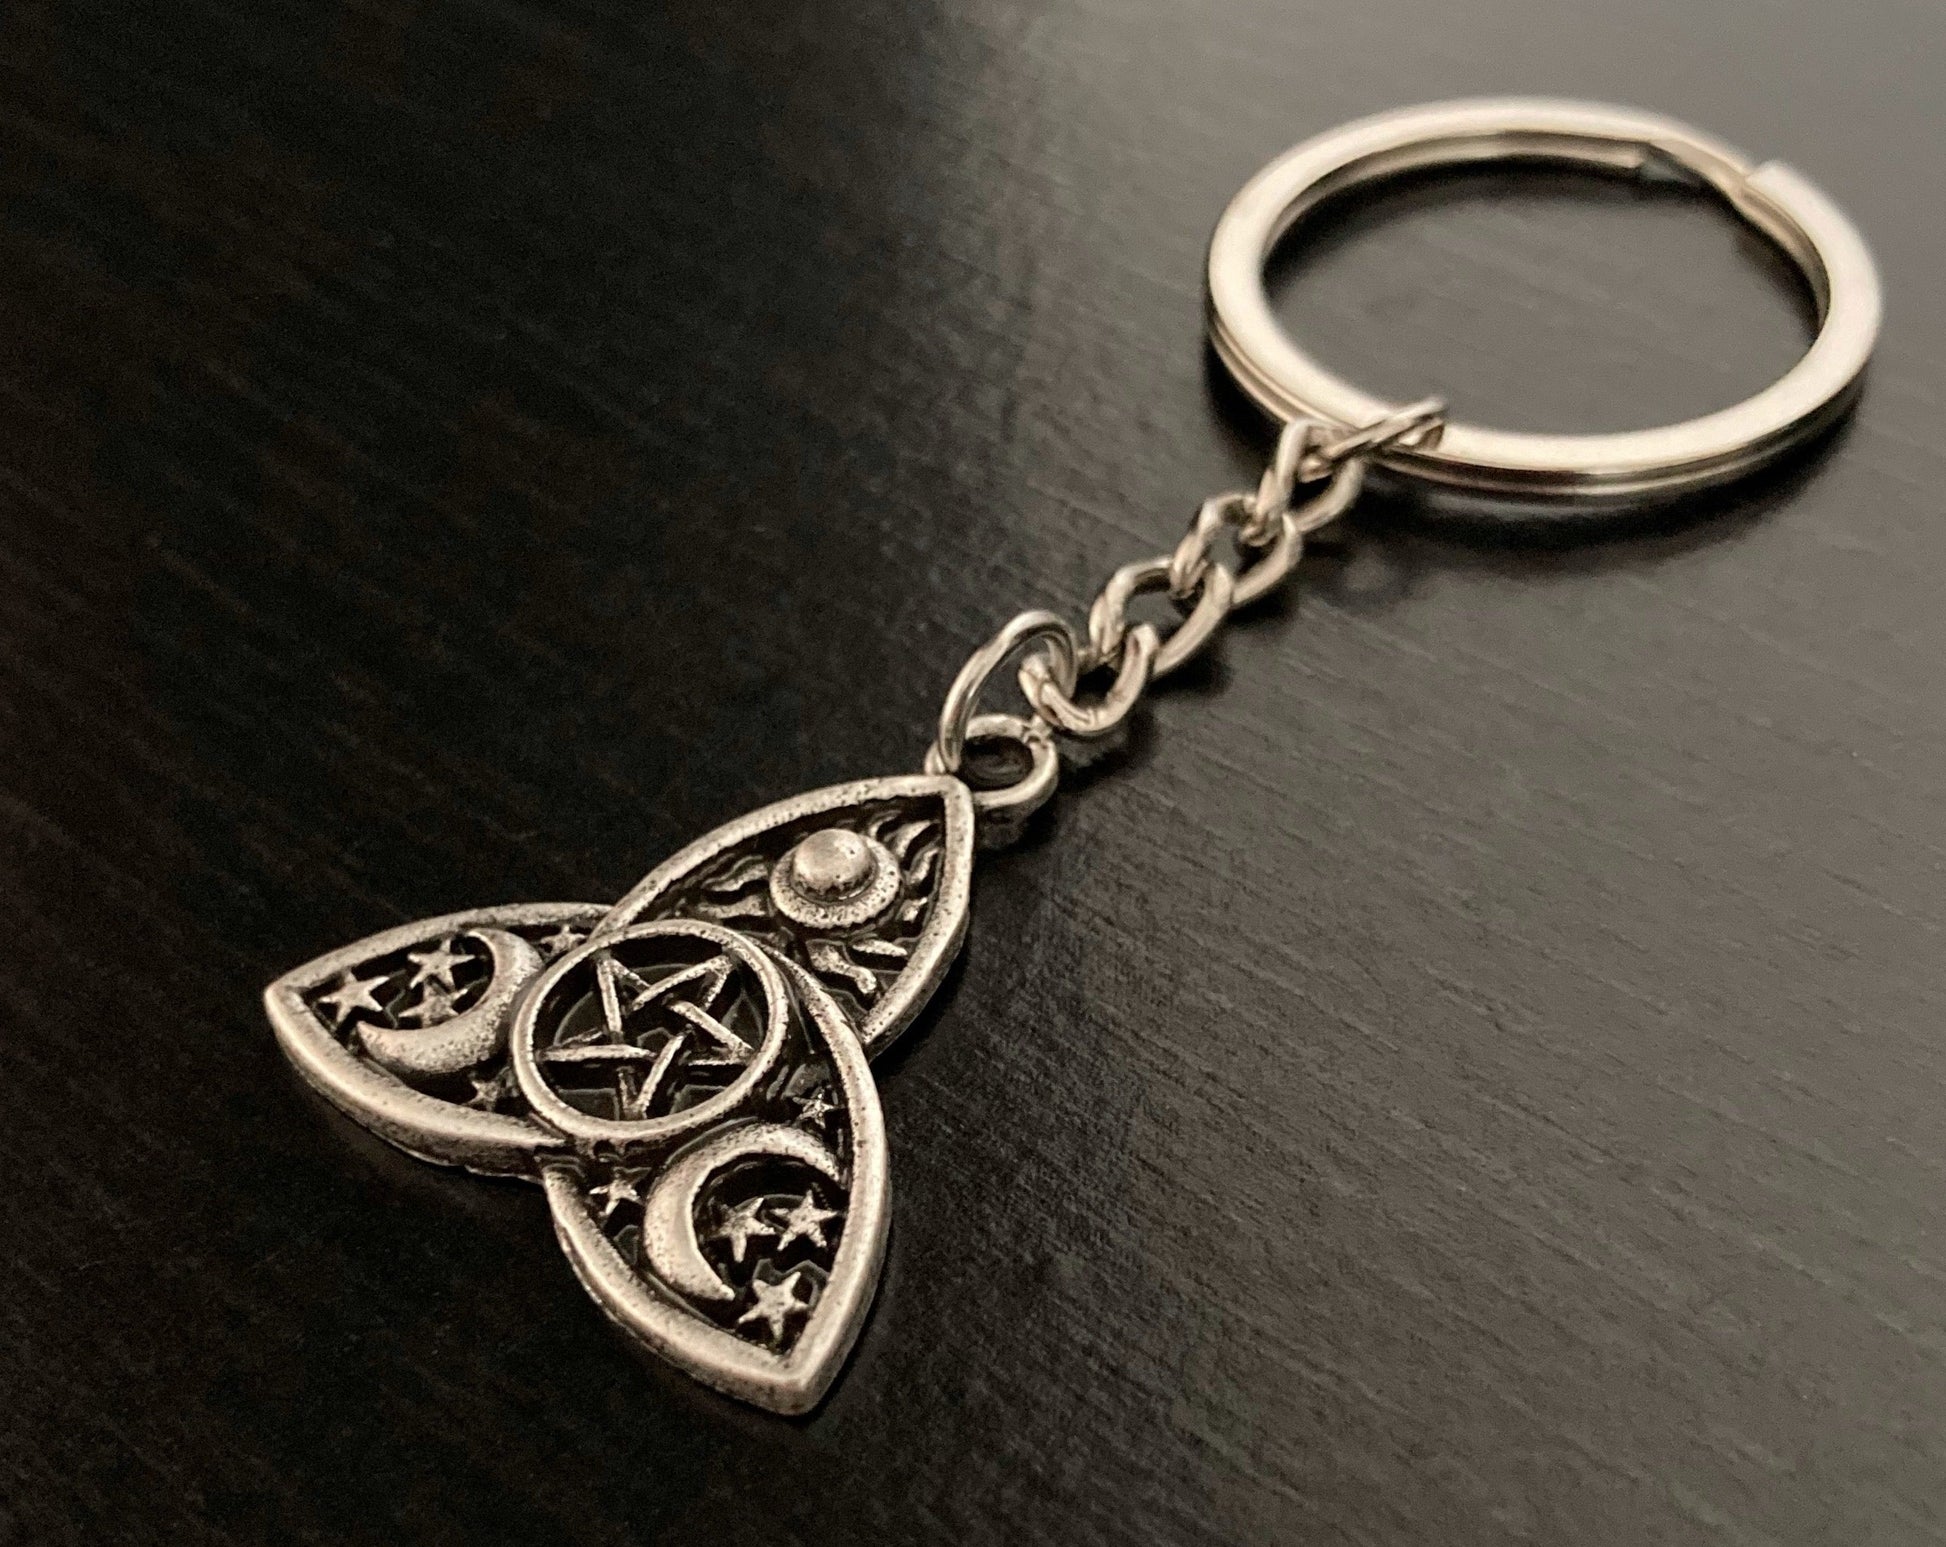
{"x": 562, "y": 941}
{"x": 353, "y": 994}
{"x": 805, "y": 1219}
{"x": 741, "y": 1224}
{"x": 490, "y": 1090}
{"x": 436, "y": 965}
{"x": 817, "y": 1105}
{"x": 775, "y": 1304}
{"x": 622, "y": 1187}
{"x": 624, "y": 992}
{"x": 435, "y": 1004}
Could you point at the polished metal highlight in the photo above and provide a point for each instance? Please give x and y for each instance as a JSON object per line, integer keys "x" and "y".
{"x": 685, "y": 1072}
{"x": 1810, "y": 231}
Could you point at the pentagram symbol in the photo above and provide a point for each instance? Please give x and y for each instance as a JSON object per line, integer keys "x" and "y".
{"x": 620, "y": 1066}
{"x": 684, "y": 1073}
{"x": 632, "y": 1036}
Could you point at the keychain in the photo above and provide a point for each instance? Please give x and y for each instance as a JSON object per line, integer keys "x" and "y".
{"x": 686, "y": 1073}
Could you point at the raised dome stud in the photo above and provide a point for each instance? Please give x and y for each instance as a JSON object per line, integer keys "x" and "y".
{"x": 835, "y": 879}
{"x": 832, "y": 865}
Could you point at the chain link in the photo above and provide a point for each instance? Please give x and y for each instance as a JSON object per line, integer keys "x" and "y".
{"x": 1267, "y": 530}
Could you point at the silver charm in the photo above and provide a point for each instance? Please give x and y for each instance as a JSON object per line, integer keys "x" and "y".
{"x": 684, "y": 1073}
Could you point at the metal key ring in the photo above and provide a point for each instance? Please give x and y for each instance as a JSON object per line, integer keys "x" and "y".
{"x": 1811, "y": 231}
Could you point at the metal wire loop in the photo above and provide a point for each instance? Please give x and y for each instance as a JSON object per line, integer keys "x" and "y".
{"x": 1031, "y": 790}
{"x": 1108, "y": 624}
{"x": 1810, "y": 232}
{"x": 1191, "y": 560}
{"x": 1278, "y": 486}
{"x": 1278, "y": 555}
{"x": 1417, "y": 427}
{"x": 1062, "y": 651}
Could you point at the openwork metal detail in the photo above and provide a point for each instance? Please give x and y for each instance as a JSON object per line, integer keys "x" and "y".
{"x": 685, "y": 1073}
{"x": 744, "y": 1249}
{"x": 406, "y": 1031}
{"x": 863, "y": 885}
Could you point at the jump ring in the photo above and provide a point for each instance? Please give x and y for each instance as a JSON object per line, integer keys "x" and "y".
{"x": 956, "y": 715}
{"x": 1087, "y": 721}
{"x": 1031, "y": 791}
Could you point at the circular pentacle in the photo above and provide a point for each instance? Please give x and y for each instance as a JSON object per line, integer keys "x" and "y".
{"x": 835, "y": 879}
{"x": 650, "y": 1034}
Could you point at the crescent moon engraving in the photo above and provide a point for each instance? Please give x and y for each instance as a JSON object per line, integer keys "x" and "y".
{"x": 670, "y": 1249}
{"x": 468, "y": 1039}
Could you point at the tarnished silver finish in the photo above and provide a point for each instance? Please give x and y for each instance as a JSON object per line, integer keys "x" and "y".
{"x": 1034, "y": 788}
{"x": 742, "y": 1240}
{"x": 718, "y": 1012}
{"x": 882, "y": 950}
{"x": 371, "y": 1026}
{"x": 835, "y": 879}
{"x": 685, "y": 1072}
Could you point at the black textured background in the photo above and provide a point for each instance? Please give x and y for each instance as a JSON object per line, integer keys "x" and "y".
{"x": 1469, "y": 1071}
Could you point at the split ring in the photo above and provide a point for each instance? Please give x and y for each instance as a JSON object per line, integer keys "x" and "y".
{"x": 1812, "y": 232}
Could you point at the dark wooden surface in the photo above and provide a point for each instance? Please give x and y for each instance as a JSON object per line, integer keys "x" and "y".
{"x": 1470, "y": 1070}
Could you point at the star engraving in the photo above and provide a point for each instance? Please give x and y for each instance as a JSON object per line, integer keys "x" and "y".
{"x": 815, "y": 1106}
{"x": 805, "y": 1219}
{"x": 743, "y": 1224}
{"x": 620, "y": 1188}
{"x": 436, "y": 966}
{"x": 353, "y": 994}
{"x": 435, "y": 1004}
{"x": 775, "y": 1304}
{"x": 615, "y": 1048}
{"x": 562, "y": 941}
{"x": 489, "y": 1090}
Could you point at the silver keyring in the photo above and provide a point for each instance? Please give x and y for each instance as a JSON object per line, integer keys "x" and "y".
{"x": 1809, "y": 229}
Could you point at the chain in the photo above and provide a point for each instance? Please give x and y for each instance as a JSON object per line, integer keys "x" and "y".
{"x": 1267, "y": 528}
